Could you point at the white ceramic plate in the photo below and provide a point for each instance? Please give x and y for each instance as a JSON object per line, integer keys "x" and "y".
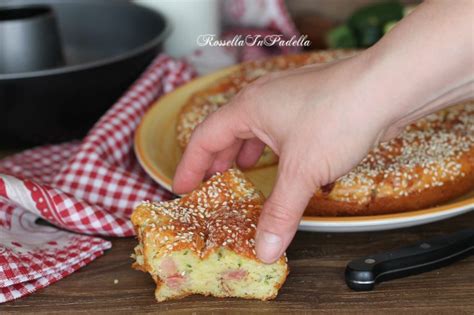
{"x": 158, "y": 153}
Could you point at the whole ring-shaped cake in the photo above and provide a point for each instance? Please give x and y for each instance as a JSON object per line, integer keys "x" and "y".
{"x": 430, "y": 162}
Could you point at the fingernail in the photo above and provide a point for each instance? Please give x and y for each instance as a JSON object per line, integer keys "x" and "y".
{"x": 268, "y": 247}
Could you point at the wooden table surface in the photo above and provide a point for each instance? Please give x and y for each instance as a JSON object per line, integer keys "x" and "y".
{"x": 315, "y": 284}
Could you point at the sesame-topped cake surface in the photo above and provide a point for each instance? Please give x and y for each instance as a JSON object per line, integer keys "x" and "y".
{"x": 222, "y": 212}
{"x": 431, "y": 161}
{"x": 214, "y": 225}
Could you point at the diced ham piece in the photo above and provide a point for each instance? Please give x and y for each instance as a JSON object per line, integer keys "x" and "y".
{"x": 175, "y": 281}
{"x": 168, "y": 266}
{"x": 237, "y": 274}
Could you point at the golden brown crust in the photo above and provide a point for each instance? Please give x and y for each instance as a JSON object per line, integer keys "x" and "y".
{"x": 431, "y": 197}
{"x": 431, "y": 162}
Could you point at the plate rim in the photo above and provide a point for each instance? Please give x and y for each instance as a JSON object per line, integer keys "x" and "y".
{"x": 144, "y": 161}
{"x": 166, "y": 183}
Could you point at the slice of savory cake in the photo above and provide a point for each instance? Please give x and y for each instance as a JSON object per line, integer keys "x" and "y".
{"x": 204, "y": 242}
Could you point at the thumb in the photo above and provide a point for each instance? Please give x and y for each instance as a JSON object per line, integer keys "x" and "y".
{"x": 281, "y": 214}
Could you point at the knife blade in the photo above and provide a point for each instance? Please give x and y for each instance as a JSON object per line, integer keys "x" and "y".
{"x": 363, "y": 273}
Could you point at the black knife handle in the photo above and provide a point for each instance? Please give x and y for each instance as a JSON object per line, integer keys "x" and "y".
{"x": 362, "y": 274}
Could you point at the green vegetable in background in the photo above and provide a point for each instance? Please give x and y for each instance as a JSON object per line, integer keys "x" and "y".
{"x": 341, "y": 37}
{"x": 369, "y": 35}
{"x": 368, "y": 22}
{"x": 366, "y": 25}
{"x": 408, "y": 9}
{"x": 388, "y": 26}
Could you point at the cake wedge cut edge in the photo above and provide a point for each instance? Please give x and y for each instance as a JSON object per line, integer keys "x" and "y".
{"x": 204, "y": 242}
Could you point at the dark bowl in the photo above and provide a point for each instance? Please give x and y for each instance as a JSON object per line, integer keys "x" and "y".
{"x": 106, "y": 45}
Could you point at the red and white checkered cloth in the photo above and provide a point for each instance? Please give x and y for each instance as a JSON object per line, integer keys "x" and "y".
{"x": 91, "y": 187}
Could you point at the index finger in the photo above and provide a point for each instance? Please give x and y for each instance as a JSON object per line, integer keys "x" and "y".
{"x": 217, "y": 132}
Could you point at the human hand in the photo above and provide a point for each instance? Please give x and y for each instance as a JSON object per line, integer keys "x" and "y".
{"x": 315, "y": 118}
{"x": 322, "y": 120}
